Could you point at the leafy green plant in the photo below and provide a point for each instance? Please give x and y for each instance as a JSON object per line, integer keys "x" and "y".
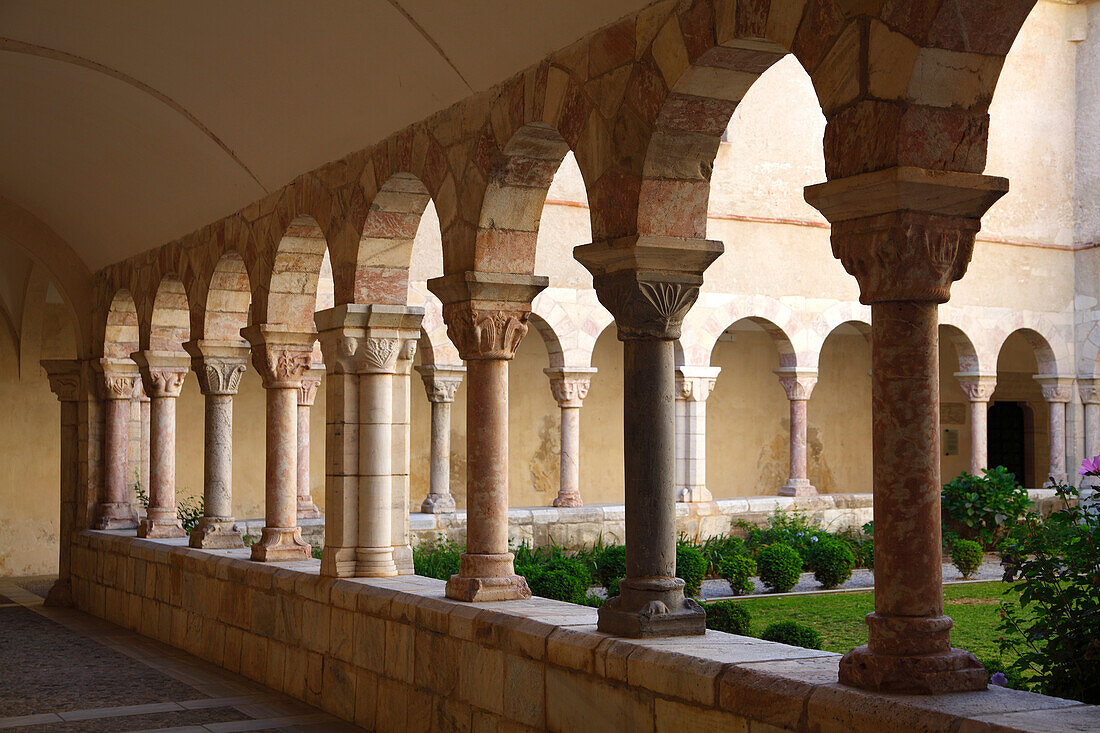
{"x": 316, "y": 551}
{"x": 559, "y": 584}
{"x": 611, "y": 568}
{"x": 966, "y": 556}
{"x": 142, "y": 495}
{"x": 728, "y": 616}
{"x": 862, "y": 544}
{"x": 249, "y": 539}
{"x": 832, "y": 561}
{"x": 190, "y": 510}
{"x": 437, "y": 559}
{"x": 719, "y": 548}
{"x": 793, "y": 633}
{"x": 738, "y": 571}
{"x": 779, "y": 566}
{"x": 794, "y": 529}
{"x": 691, "y": 567}
{"x": 983, "y": 508}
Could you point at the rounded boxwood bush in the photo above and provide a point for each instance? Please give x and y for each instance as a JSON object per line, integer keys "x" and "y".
{"x": 793, "y": 633}
{"x": 728, "y": 616}
{"x": 738, "y": 570}
{"x": 611, "y": 567}
{"x": 967, "y": 556}
{"x": 832, "y": 562}
{"x": 691, "y": 566}
{"x": 779, "y": 566}
{"x": 561, "y": 585}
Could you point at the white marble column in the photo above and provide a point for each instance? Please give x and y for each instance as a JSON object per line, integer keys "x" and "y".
{"x": 693, "y": 386}
{"x": 307, "y": 393}
{"x": 569, "y": 385}
{"x": 162, "y": 376}
{"x": 979, "y": 390}
{"x": 1057, "y": 391}
{"x": 115, "y": 511}
{"x": 441, "y": 383}
{"x": 799, "y": 385}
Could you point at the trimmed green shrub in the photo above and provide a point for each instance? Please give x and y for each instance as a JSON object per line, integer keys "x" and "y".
{"x": 779, "y": 566}
{"x": 728, "y": 616}
{"x": 593, "y": 601}
{"x": 793, "y": 633}
{"x": 832, "y": 561}
{"x": 559, "y": 584}
{"x": 793, "y": 529}
{"x": 437, "y": 559}
{"x": 967, "y": 556}
{"x": 611, "y": 567}
{"x": 983, "y": 508}
{"x": 691, "y": 566}
{"x": 738, "y": 571}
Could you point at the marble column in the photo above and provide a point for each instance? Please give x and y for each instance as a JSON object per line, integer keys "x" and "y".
{"x": 281, "y": 356}
{"x": 693, "y": 386}
{"x": 219, "y": 367}
{"x": 798, "y": 384}
{"x": 400, "y": 423}
{"x": 307, "y": 393}
{"x": 978, "y": 389}
{"x": 67, "y": 384}
{"x": 1089, "y": 389}
{"x": 441, "y": 383}
{"x": 115, "y": 510}
{"x": 162, "y": 375}
{"x": 486, "y": 316}
{"x": 569, "y": 385}
{"x": 906, "y": 234}
{"x": 649, "y": 284}
{"x": 1057, "y": 391}
{"x": 145, "y": 407}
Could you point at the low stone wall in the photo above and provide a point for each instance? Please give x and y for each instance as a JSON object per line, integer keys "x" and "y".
{"x": 395, "y": 655}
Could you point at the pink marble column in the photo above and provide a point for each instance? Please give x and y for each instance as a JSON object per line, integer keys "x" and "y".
{"x": 162, "y": 375}
{"x": 119, "y": 380}
{"x": 307, "y": 393}
{"x": 693, "y": 386}
{"x": 799, "y": 385}
{"x": 145, "y": 406}
{"x": 441, "y": 383}
{"x": 1057, "y": 391}
{"x": 979, "y": 390}
{"x": 906, "y": 234}
{"x": 569, "y": 385}
{"x": 1089, "y": 389}
{"x": 67, "y": 384}
{"x": 486, "y": 316}
{"x": 281, "y": 356}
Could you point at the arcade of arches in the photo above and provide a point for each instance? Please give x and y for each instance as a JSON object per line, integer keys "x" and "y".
{"x": 708, "y": 258}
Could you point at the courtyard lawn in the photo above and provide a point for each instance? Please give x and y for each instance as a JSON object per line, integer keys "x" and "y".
{"x": 838, "y": 617}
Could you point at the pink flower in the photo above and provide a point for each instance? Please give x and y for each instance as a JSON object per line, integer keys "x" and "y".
{"x": 1090, "y": 466}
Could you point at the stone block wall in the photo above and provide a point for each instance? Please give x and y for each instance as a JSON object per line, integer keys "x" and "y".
{"x": 395, "y": 655}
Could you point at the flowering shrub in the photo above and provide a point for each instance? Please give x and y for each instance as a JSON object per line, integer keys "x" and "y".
{"x": 983, "y": 508}
{"x": 738, "y": 571}
{"x": 794, "y": 529}
{"x": 967, "y": 556}
{"x": 728, "y": 616}
{"x": 779, "y": 567}
{"x": 793, "y": 633}
{"x": 832, "y": 561}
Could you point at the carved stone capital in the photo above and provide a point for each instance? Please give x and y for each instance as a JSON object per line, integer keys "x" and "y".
{"x": 1055, "y": 389}
{"x": 307, "y": 393}
{"x": 569, "y": 385}
{"x": 218, "y": 365}
{"x": 441, "y": 382}
{"x": 162, "y": 372}
{"x": 905, "y": 233}
{"x": 368, "y": 338}
{"x": 694, "y": 384}
{"x": 486, "y": 313}
{"x": 1089, "y": 389}
{"x": 65, "y": 378}
{"x": 120, "y": 378}
{"x": 280, "y": 354}
{"x": 977, "y": 387}
{"x": 798, "y": 384}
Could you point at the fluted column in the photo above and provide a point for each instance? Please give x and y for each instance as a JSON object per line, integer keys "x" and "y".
{"x": 906, "y": 234}
{"x": 307, "y": 393}
{"x": 400, "y": 423}
{"x": 441, "y": 383}
{"x": 486, "y": 316}
{"x": 120, "y": 376}
{"x": 649, "y": 284}
{"x": 162, "y": 375}
{"x": 281, "y": 356}
{"x": 979, "y": 389}
{"x": 693, "y": 387}
{"x": 799, "y": 385}
{"x": 1057, "y": 391}
{"x": 67, "y": 384}
{"x": 219, "y": 367}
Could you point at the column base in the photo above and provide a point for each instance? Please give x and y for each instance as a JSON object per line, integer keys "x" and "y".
{"x": 403, "y": 559}
{"x": 111, "y": 516}
{"x": 216, "y": 533}
{"x": 798, "y": 487}
{"x": 651, "y": 608}
{"x": 280, "y": 544}
{"x": 160, "y": 528}
{"x": 487, "y": 577}
{"x": 568, "y": 500}
{"x": 60, "y": 594}
{"x": 925, "y": 674}
{"x": 693, "y": 494}
{"x": 438, "y": 504}
{"x": 338, "y": 562}
{"x": 307, "y": 509}
{"x": 374, "y": 562}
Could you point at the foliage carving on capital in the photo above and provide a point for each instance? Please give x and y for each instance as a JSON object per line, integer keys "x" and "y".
{"x": 119, "y": 386}
{"x": 978, "y": 390}
{"x": 164, "y": 382}
{"x": 570, "y": 391}
{"x": 307, "y": 392}
{"x": 281, "y": 367}
{"x": 441, "y": 389}
{"x": 646, "y": 307}
{"x": 379, "y": 354}
{"x": 798, "y": 387}
{"x": 480, "y": 332}
{"x": 1054, "y": 391}
{"x": 220, "y": 377}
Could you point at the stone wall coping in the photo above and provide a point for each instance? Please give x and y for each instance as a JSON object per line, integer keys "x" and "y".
{"x": 713, "y": 675}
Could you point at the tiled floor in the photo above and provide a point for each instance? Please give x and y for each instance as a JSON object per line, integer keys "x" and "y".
{"x": 68, "y": 671}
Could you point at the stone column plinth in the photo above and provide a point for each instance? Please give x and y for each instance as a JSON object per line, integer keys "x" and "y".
{"x": 649, "y": 284}
{"x": 400, "y": 423}
{"x": 1057, "y": 391}
{"x": 799, "y": 385}
{"x": 979, "y": 390}
{"x": 162, "y": 375}
{"x": 693, "y": 386}
{"x": 906, "y": 234}
{"x": 307, "y": 393}
{"x": 441, "y": 383}
{"x": 486, "y": 316}
{"x": 219, "y": 367}
{"x": 281, "y": 356}
{"x": 569, "y": 386}
{"x": 120, "y": 377}
{"x": 67, "y": 384}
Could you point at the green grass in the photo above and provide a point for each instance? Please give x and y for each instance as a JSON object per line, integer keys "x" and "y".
{"x": 838, "y": 617}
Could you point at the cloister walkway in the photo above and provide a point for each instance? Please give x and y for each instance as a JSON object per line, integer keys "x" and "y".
{"x": 68, "y": 671}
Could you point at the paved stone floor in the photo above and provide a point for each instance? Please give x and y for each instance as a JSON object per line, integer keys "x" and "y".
{"x": 68, "y": 671}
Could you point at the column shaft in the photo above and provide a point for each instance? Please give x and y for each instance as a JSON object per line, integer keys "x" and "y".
{"x": 979, "y": 437}
{"x": 487, "y": 460}
{"x": 218, "y": 457}
{"x": 1092, "y": 429}
{"x": 570, "y": 483}
{"x": 162, "y": 460}
{"x": 303, "y": 458}
{"x": 798, "y": 442}
{"x": 374, "y": 554}
{"x": 1057, "y": 441}
{"x": 116, "y": 442}
{"x": 440, "y": 468}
